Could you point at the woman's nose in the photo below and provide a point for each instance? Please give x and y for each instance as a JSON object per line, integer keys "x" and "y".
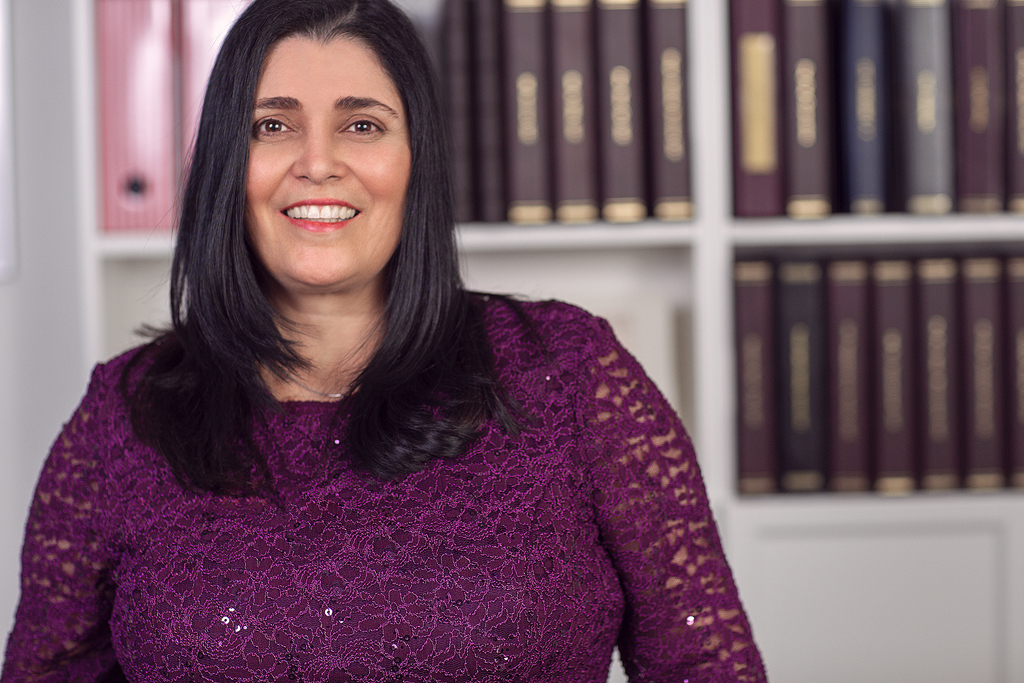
{"x": 320, "y": 158}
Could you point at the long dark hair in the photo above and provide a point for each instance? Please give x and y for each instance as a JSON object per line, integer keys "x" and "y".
{"x": 195, "y": 391}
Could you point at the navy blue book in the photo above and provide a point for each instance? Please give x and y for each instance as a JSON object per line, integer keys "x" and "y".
{"x": 863, "y": 103}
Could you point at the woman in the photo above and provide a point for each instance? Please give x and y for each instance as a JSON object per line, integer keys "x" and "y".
{"x": 341, "y": 466}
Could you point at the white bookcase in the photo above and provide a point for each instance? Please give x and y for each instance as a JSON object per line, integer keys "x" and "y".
{"x": 839, "y": 588}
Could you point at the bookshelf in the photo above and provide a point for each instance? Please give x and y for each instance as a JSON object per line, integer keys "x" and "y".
{"x": 851, "y": 587}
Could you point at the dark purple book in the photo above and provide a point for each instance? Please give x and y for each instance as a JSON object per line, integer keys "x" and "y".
{"x": 979, "y": 105}
{"x": 848, "y": 358}
{"x": 895, "y": 443}
{"x": 755, "y": 363}
{"x": 983, "y": 376}
{"x": 757, "y": 169}
{"x": 938, "y": 327}
{"x": 1015, "y": 372}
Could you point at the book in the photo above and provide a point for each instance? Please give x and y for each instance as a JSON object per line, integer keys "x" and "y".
{"x": 980, "y": 116}
{"x": 849, "y": 393}
{"x": 574, "y": 137}
{"x": 895, "y": 444}
{"x": 757, "y": 169}
{"x": 808, "y": 102}
{"x": 620, "y": 111}
{"x": 669, "y": 124}
{"x": 925, "y": 106}
{"x": 864, "y": 106}
{"x": 984, "y": 466}
{"x": 1015, "y": 105}
{"x": 526, "y": 122}
{"x": 802, "y": 368}
{"x": 939, "y": 371}
{"x": 1015, "y": 372}
{"x": 457, "y": 57}
{"x": 204, "y": 23}
{"x": 755, "y": 363}
{"x": 488, "y": 106}
{"x": 138, "y": 145}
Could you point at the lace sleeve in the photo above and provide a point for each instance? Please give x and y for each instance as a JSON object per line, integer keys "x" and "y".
{"x": 683, "y": 618}
{"x": 61, "y": 631}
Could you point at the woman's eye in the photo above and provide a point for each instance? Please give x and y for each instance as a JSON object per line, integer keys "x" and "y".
{"x": 268, "y": 127}
{"x": 364, "y": 127}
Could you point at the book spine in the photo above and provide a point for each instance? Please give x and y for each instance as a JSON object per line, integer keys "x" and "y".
{"x": 849, "y": 395}
{"x": 895, "y": 444}
{"x": 527, "y": 129}
{"x": 575, "y": 121}
{"x": 488, "y": 142}
{"x": 807, "y": 94}
{"x": 803, "y": 438}
{"x": 755, "y": 345}
{"x": 667, "y": 89}
{"x": 457, "y": 56}
{"x": 1015, "y": 373}
{"x": 137, "y": 112}
{"x": 1015, "y": 105}
{"x": 204, "y": 24}
{"x": 864, "y": 104}
{"x": 758, "y": 181}
{"x": 926, "y": 106}
{"x": 983, "y": 373}
{"x": 980, "y": 116}
{"x": 938, "y": 354}
{"x": 621, "y": 111}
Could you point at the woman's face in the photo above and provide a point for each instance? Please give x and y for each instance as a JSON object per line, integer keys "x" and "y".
{"x": 329, "y": 165}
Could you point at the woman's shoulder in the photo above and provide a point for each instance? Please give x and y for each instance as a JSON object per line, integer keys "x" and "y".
{"x": 107, "y": 375}
{"x": 551, "y": 324}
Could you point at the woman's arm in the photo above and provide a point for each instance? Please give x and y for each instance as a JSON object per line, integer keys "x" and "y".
{"x": 61, "y": 631}
{"x": 683, "y": 618}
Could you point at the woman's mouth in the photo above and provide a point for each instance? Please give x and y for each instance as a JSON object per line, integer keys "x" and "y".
{"x": 327, "y": 213}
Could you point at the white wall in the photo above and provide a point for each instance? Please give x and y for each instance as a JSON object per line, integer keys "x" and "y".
{"x": 42, "y": 374}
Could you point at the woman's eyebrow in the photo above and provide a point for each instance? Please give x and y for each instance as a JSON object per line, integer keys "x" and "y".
{"x": 351, "y": 102}
{"x": 288, "y": 103}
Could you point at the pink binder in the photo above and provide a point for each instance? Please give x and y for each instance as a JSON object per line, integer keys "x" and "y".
{"x": 134, "y": 44}
{"x": 204, "y": 23}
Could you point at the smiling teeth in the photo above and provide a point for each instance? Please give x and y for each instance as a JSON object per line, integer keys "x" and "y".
{"x": 331, "y": 213}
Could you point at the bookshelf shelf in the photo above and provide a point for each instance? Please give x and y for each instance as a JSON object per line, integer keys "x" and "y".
{"x": 154, "y": 245}
{"x": 888, "y": 229}
{"x": 500, "y": 237}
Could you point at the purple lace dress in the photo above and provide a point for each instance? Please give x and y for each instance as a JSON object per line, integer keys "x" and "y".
{"x": 527, "y": 559}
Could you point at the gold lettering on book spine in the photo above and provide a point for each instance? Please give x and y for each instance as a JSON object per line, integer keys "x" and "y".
{"x": 572, "y": 107}
{"x": 938, "y": 379}
{"x": 759, "y": 153}
{"x": 984, "y": 380}
{"x": 622, "y": 105}
{"x": 979, "y": 95}
{"x": 866, "y": 100}
{"x": 753, "y": 381}
{"x": 806, "y": 102}
{"x": 800, "y": 377}
{"x": 526, "y": 109}
{"x": 849, "y": 379}
{"x": 927, "y": 101}
{"x": 672, "y": 104}
{"x": 892, "y": 381}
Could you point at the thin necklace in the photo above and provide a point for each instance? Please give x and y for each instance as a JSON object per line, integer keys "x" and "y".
{"x": 318, "y": 393}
